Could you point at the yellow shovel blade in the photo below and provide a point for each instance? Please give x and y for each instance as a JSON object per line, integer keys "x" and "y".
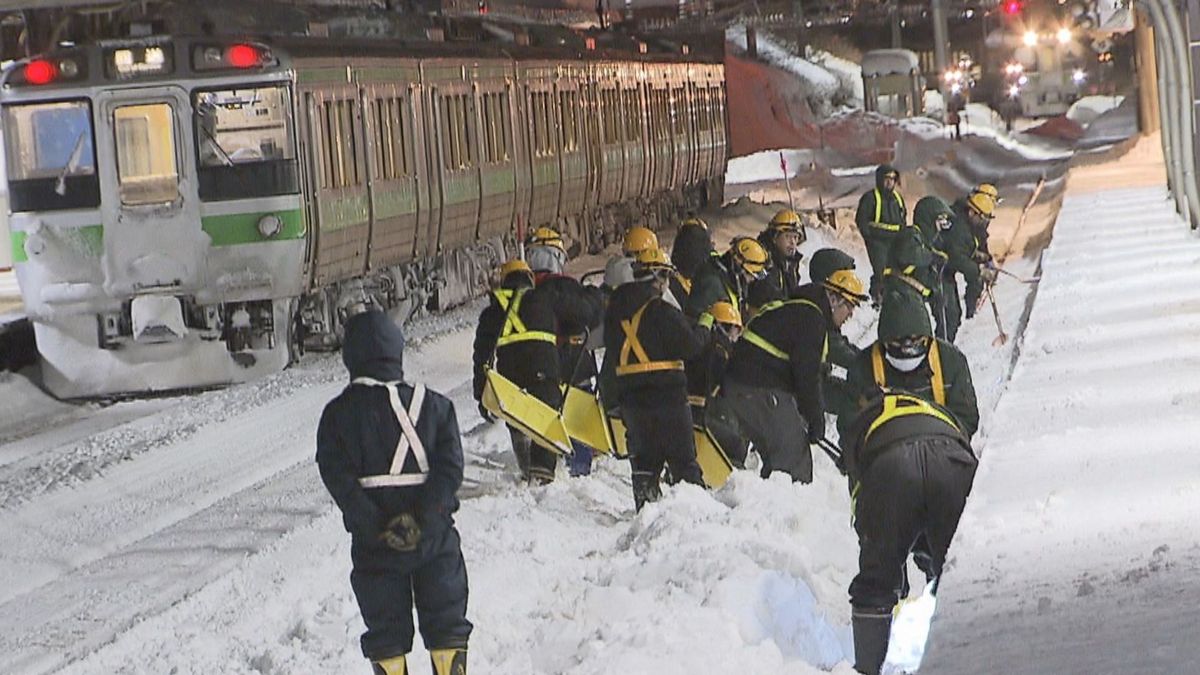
{"x": 526, "y": 412}
{"x": 583, "y": 418}
{"x": 714, "y": 463}
{"x": 616, "y": 431}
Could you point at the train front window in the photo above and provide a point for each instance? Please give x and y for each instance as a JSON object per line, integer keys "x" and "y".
{"x": 147, "y": 171}
{"x": 244, "y": 142}
{"x": 51, "y": 161}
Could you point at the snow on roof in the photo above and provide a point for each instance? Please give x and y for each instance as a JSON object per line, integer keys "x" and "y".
{"x": 889, "y": 62}
{"x": 823, "y": 83}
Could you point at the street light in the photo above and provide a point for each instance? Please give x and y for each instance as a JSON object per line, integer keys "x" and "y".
{"x": 1064, "y": 36}
{"x": 1030, "y": 38}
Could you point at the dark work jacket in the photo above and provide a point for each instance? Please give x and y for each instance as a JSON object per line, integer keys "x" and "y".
{"x": 577, "y": 309}
{"x": 842, "y": 355}
{"x": 358, "y": 434}
{"x": 526, "y": 363}
{"x": 912, "y": 258}
{"x": 712, "y": 283}
{"x": 961, "y": 243}
{"x": 692, "y": 248}
{"x": 798, "y": 329}
{"x": 893, "y": 214}
{"x": 784, "y": 271}
{"x": 956, "y": 374}
{"x": 665, "y": 334}
{"x": 706, "y": 370}
{"x": 862, "y": 449}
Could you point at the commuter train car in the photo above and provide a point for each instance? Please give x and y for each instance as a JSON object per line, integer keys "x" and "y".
{"x": 188, "y": 212}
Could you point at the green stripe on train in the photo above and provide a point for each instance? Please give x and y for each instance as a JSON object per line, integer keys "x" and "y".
{"x": 242, "y": 228}
{"x": 18, "y": 247}
{"x": 86, "y": 241}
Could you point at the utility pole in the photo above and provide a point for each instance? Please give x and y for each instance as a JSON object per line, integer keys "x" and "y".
{"x": 939, "y": 42}
{"x": 895, "y": 16}
{"x": 801, "y": 28}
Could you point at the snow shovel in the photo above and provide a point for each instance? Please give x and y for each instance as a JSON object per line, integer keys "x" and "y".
{"x": 1002, "y": 338}
{"x": 1024, "y": 280}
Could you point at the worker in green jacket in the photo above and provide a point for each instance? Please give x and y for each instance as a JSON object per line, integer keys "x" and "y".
{"x": 908, "y": 358}
{"x": 880, "y": 216}
{"x": 913, "y": 264}
{"x": 967, "y": 255}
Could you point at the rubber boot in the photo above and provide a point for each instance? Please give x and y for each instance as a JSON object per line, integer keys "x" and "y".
{"x": 396, "y": 665}
{"x": 871, "y": 630}
{"x": 521, "y": 448}
{"x": 449, "y": 661}
{"x": 645, "y": 489}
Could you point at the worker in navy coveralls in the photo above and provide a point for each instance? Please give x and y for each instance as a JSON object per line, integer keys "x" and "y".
{"x": 391, "y": 455}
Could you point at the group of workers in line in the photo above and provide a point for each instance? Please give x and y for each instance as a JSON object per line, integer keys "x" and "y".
{"x": 733, "y": 342}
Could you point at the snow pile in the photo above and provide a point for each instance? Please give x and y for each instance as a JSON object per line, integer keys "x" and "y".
{"x": 1087, "y": 109}
{"x": 822, "y": 86}
{"x": 764, "y": 166}
{"x": 848, "y": 73}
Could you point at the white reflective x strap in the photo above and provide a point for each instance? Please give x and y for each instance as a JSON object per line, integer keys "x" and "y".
{"x": 408, "y": 437}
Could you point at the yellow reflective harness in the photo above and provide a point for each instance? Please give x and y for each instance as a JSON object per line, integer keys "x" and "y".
{"x": 936, "y": 381}
{"x": 514, "y": 328}
{"x": 634, "y": 345}
{"x": 762, "y": 343}
{"x": 904, "y": 405}
{"x": 905, "y": 276}
{"x": 890, "y": 227}
{"x": 684, "y": 282}
{"x": 896, "y": 406}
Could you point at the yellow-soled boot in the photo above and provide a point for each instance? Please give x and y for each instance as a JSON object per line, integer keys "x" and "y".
{"x": 393, "y": 666}
{"x": 449, "y": 661}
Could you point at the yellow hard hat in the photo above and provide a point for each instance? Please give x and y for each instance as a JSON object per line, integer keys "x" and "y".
{"x": 515, "y": 265}
{"x": 987, "y": 189}
{"x": 650, "y": 261}
{"x": 786, "y": 220}
{"x": 639, "y": 239}
{"x": 546, "y": 236}
{"x": 983, "y": 203}
{"x": 750, "y": 255}
{"x": 693, "y": 221}
{"x": 724, "y": 312}
{"x": 847, "y": 284}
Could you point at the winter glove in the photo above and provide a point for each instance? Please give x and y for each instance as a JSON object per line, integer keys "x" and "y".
{"x": 981, "y": 257}
{"x": 988, "y": 274}
{"x": 486, "y": 414}
{"x": 971, "y": 309}
{"x": 706, "y": 320}
{"x": 816, "y": 430}
{"x": 402, "y": 534}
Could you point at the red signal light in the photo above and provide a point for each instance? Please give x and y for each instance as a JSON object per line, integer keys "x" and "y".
{"x": 1012, "y": 7}
{"x": 244, "y": 56}
{"x": 40, "y": 71}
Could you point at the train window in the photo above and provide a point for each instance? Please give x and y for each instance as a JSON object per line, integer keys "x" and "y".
{"x": 51, "y": 163}
{"x": 679, "y": 111}
{"x": 341, "y": 150}
{"x": 147, "y": 171}
{"x": 391, "y": 138}
{"x": 633, "y": 115}
{"x": 505, "y": 120}
{"x": 568, "y": 113}
{"x": 245, "y": 143}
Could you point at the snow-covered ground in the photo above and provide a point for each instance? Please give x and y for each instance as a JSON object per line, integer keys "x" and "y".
{"x": 192, "y": 534}
{"x": 1079, "y": 545}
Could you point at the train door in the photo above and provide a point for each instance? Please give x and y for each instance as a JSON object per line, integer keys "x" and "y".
{"x": 152, "y": 235}
{"x": 341, "y": 201}
{"x": 395, "y": 198}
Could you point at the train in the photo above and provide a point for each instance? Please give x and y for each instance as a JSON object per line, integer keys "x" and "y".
{"x": 191, "y": 211}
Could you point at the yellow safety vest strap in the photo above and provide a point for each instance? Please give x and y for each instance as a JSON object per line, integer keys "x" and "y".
{"x": 763, "y": 344}
{"x": 907, "y": 279}
{"x": 684, "y": 282}
{"x": 903, "y": 405}
{"x": 890, "y": 227}
{"x": 634, "y": 345}
{"x": 937, "y": 381}
{"x": 514, "y": 328}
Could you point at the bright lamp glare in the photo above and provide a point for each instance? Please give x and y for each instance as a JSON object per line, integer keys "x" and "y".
{"x": 1064, "y": 35}
{"x": 1030, "y": 38}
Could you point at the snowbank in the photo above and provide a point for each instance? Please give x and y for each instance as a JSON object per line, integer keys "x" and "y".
{"x": 764, "y": 166}
{"x": 822, "y": 86}
{"x": 1087, "y": 109}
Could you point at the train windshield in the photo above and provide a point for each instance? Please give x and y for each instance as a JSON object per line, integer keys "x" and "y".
{"x": 147, "y": 170}
{"x": 245, "y": 144}
{"x": 51, "y": 161}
